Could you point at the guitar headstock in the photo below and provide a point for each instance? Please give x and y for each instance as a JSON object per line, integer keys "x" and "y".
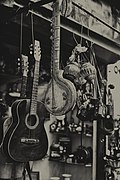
{"x": 24, "y": 65}
{"x": 37, "y": 51}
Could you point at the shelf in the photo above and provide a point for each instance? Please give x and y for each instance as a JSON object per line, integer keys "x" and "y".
{"x": 70, "y": 133}
{"x": 61, "y": 161}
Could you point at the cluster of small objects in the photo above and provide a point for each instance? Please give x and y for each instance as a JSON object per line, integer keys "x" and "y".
{"x": 59, "y": 127}
{"x": 62, "y": 153}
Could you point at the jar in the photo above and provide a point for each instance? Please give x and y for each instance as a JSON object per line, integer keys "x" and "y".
{"x": 66, "y": 176}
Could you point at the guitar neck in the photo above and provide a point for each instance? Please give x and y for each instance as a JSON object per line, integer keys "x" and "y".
{"x": 55, "y": 54}
{"x": 24, "y": 60}
{"x": 33, "y": 107}
{"x": 23, "y": 87}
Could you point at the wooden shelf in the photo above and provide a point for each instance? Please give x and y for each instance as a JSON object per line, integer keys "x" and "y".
{"x": 80, "y": 164}
{"x": 70, "y": 133}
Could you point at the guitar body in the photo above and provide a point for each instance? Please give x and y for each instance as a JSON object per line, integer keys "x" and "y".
{"x": 3, "y": 116}
{"x": 26, "y": 142}
{"x": 1, "y": 130}
{"x": 63, "y": 98}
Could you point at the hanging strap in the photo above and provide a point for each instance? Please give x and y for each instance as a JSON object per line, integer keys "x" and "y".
{"x": 27, "y": 168}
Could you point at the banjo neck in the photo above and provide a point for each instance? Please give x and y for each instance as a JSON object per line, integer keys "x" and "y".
{"x": 55, "y": 51}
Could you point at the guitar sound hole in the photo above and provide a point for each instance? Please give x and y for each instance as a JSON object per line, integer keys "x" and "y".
{"x": 48, "y": 101}
{"x": 64, "y": 96}
{"x": 31, "y": 121}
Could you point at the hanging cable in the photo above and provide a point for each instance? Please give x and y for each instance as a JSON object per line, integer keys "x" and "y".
{"x": 32, "y": 28}
{"x": 21, "y": 32}
{"x": 81, "y": 38}
{"x": 97, "y": 64}
{"x": 88, "y": 33}
{"x": 94, "y": 62}
{"x": 75, "y": 39}
{"x": 85, "y": 57}
{"x": 66, "y": 6}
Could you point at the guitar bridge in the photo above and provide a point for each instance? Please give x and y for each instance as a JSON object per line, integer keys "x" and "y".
{"x": 29, "y": 141}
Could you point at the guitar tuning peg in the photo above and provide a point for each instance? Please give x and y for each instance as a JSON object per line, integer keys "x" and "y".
{"x": 51, "y": 37}
{"x": 30, "y": 52}
{"x": 51, "y": 30}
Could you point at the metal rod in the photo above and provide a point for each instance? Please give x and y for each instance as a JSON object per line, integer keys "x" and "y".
{"x": 94, "y": 143}
{"x": 94, "y": 162}
{"x": 100, "y": 20}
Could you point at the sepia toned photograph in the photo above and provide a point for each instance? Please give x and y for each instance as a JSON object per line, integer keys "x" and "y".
{"x": 59, "y": 90}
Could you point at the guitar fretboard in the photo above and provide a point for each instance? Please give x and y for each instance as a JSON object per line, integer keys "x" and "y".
{"x": 35, "y": 89}
{"x": 37, "y": 55}
{"x": 55, "y": 54}
{"x": 23, "y": 87}
{"x": 24, "y": 60}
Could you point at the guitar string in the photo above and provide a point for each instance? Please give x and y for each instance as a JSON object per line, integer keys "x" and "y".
{"x": 52, "y": 54}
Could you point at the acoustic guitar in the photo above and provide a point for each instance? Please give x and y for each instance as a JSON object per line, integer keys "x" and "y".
{"x": 28, "y": 140}
{"x": 61, "y": 93}
{"x": 10, "y": 123}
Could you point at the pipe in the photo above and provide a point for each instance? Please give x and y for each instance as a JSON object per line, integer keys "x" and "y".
{"x": 113, "y": 48}
{"x": 94, "y": 160}
{"x": 100, "y": 20}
